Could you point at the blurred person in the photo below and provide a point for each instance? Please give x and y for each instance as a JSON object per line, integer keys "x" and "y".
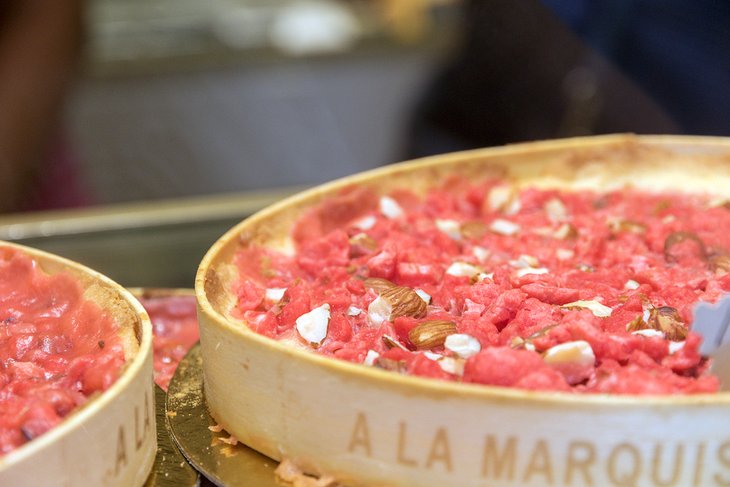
{"x": 530, "y": 69}
{"x": 40, "y": 43}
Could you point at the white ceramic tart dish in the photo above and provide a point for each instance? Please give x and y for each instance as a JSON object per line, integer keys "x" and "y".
{"x": 110, "y": 440}
{"x": 365, "y": 426}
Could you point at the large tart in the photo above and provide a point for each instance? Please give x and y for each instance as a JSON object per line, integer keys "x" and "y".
{"x": 76, "y": 404}
{"x": 539, "y": 321}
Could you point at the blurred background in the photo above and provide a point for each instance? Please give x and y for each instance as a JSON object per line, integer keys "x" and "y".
{"x": 134, "y": 132}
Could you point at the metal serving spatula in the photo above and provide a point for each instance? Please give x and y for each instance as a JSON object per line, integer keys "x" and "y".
{"x": 712, "y": 321}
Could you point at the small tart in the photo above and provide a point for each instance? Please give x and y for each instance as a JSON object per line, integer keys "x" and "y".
{"x": 88, "y": 342}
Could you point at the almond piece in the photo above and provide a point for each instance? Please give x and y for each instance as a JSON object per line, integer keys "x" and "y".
{"x": 463, "y": 345}
{"x": 396, "y": 301}
{"x": 451, "y": 228}
{"x": 362, "y": 244}
{"x": 430, "y": 334}
{"x": 504, "y": 227}
{"x": 313, "y": 326}
{"x": 664, "y": 319}
{"x": 594, "y": 306}
{"x": 474, "y": 230}
{"x": 575, "y": 360}
{"x": 391, "y": 342}
{"x": 668, "y": 320}
{"x": 556, "y": 210}
{"x": 405, "y": 302}
{"x": 378, "y": 284}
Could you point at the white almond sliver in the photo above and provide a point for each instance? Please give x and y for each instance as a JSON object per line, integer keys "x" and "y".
{"x": 504, "y": 227}
{"x": 675, "y": 347}
{"x": 353, "y": 311}
{"x": 531, "y": 270}
{"x": 390, "y": 208}
{"x": 462, "y": 269}
{"x": 366, "y": 222}
{"x": 649, "y": 333}
{"x": 452, "y": 228}
{"x": 631, "y": 284}
{"x": 452, "y": 366}
{"x": 524, "y": 261}
{"x": 379, "y": 311}
{"x": 371, "y": 357}
{"x": 423, "y": 295}
{"x": 483, "y": 275}
{"x": 578, "y": 352}
{"x": 462, "y": 345}
{"x": 595, "y": 307}
{"x": 481, "y": 253}
{"x": 275, "y": 294}
{"x": 556, "y": 210}
{"x": 500, "y": 197}
{"x": 312, "y": 326}
{"x": 433, "y": 356}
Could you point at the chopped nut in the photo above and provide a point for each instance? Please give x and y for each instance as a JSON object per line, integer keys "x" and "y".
{"x": 391, "y": 342}
{"x": 675, "y": 347}
{"x": 394, "y": 302}
{"x": 667, "y": 320}
{"x": 556, "y": 210}
{"x": 462, "y": 345}
{"x": 565, "y": 231}
{"x": 531, "y": 270}
{"x": 619, "y": 225}
{"x": 575, "y": 360}
{"x": 675, "y": 238}
{"x": 424, "y": 295}
{"x": 452, "y": 228}
{"x": 390, "y": 208}
{"x": 378, "y": 284}
{"x": 371, "y": 357}
{"x": 664, "y": 319}
{"x": 649, "y": 333}
{"x": 505, "y": 199}
{"x": 430, "y": 334}
{"x": 540, "y": 333}
{"x": 353, "y": 311}
{"x": 405, "y": 302}
{"x": 524, "y": 261}
{"x": 504, "y": 227}
{"x": 366, "y": 222}
{"x": 390, "y": 364}
{"x": 451, "y": 365}
{"x": 275, "y": 294}
{"x": 312, "y": 326}
{"x": 362, "y": 244}
{"x": 462, "y": 269}
{"x": 631, "y": 285}
{"x": 474, "y": 230}
{"x": 481, "y": 253}
{"x": 595, "y": 307}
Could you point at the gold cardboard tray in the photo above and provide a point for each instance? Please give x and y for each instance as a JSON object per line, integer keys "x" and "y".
{"x": 189, "y": 421}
